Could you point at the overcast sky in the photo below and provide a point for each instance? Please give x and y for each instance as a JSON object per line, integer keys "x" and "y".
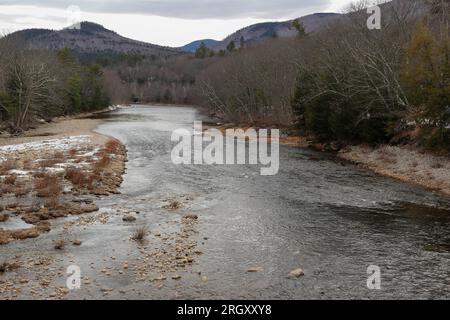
{"x": 164, "y": 22}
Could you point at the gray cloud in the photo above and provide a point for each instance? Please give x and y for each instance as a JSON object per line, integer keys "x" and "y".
{"x": 186, "y": 9}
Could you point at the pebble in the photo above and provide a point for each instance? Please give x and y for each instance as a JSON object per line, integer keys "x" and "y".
{"x": 297, "y": 273}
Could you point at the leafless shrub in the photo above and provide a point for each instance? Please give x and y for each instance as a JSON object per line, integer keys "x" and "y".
{"x": 104, "y": 160}
{"x": 52, "y": 202}
{"x": 10, "y": 180}
{"x": 112, "y": 146}
{"x": 7, "y": 165}
{"x": 140, "y": 234}
{"x": 48, "y": 185}
{"x": 75, "y": 176}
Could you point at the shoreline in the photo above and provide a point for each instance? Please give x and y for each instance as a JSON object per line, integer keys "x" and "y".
{"x": 407, "y": 163}
{"x": 60, "y": 127}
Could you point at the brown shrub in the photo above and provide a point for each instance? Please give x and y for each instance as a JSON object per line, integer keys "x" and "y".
{"x": 91, "y": 181}
{"x": 59, "y": 155}
{"x": 112, "y": 146}
{"x": 21, "y": 191}
{"x": 4, "y": 217}
{"x": 140, "y": 234}
{"x": 28, "y": 165}
{"x": 48, "y": 163}
{"x": 52, "y": 202}
{"x": 10, "y": 180}
{"x": 103, "y": 161}
{"x": 73, "y": 152}
{"x": 75, "y": 176}
{"x": 6, "y": 166}
{"x": 48, "y": 185}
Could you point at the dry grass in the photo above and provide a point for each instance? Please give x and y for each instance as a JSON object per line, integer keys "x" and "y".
{"x": 73, "y": 152}
{"x": 21, "y": 191}
{"x": 10, "y": 180}
{"x": 75, "y": 176}
{"x": 48, "y": 163}
{"x": 112, "y": 147}
{"x": 59, "y": 155}
{"x": 28, "y": 165}
{"x": 52, "y": 202}
{"x": 8, "y": 266}
{"x": 140, "y": 234}
{"x": 7, "y": 165}
{"x": 91, "y": 182}
{"x": 406, "y": 164}
{"x": 103, "y": 161}
{"x": 48, "y": 185}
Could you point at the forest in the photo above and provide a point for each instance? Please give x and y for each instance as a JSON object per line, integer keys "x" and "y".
{"x": 343, "y": 83}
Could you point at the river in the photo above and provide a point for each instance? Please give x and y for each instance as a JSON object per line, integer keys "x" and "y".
{"x": 328, "y": 217}
{"x": 332, "y": 219}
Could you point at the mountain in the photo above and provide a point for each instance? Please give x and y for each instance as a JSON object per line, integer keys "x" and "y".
{"x": 193, "y": 46}
{"x": 90, "y": 39}
{"x": 263, "y": 31}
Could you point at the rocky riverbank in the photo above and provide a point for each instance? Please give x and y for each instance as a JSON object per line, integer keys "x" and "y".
{"x": 55, "y": 171}
{"x": 403, "y": 163}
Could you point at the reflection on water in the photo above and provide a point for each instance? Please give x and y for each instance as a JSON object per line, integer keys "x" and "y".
{"x": 330, "y": 219}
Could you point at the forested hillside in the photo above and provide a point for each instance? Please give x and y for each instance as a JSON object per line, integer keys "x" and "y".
{"x": 36, "y": 85}
{"x": 341, "y": 82}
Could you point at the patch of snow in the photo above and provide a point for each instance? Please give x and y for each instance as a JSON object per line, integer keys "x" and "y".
{"x": 19, "y": 172}
{"x": 55, "y": 170}
{"x": 54, "y": 144}
{"x": 88, "y": 154}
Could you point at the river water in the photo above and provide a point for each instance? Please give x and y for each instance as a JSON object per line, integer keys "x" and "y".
{"x": 327, "y": 217}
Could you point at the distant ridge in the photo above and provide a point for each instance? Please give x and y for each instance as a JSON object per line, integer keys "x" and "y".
{"x": 193, "y": 46}
{"x": 263, "y": 31}
{"x": 90, "y": 38}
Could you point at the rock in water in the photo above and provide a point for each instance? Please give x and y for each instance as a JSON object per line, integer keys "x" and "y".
{"x": 191, "y": 216}
{"x": 253, "y": 270}
{"x": 129, "y": 218}
{"x": 297, "y": 273}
